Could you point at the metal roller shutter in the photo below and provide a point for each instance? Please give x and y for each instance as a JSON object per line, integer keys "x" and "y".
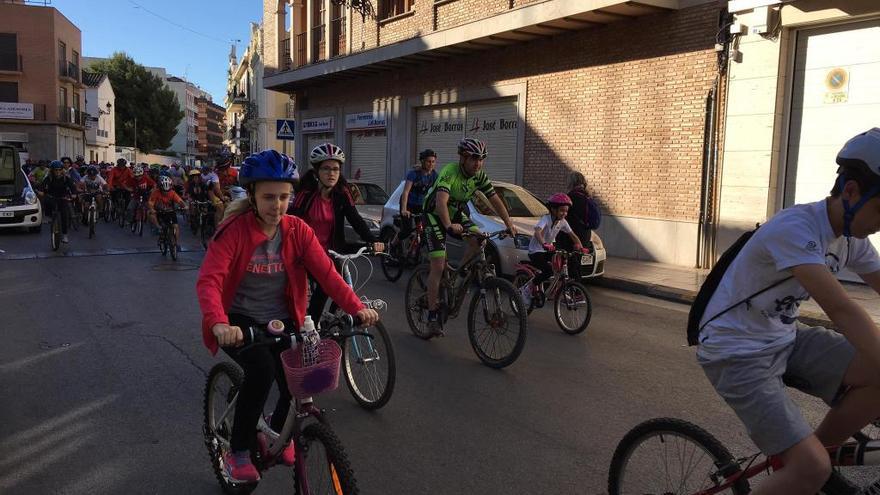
{"x": 440, "y": 128}
{"x": 368, "y": 153}
{"x": 496, "y": 123}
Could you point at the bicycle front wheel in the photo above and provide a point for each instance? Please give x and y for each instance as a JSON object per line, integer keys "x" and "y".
{"x": 573, "y": 308}
{"x": 667, "y": 455}
{"x": 370, "y": 367}
{"x": 221, "y": 393}
{"x": 326, "y": 468}
{"x": 416, "y": 298}
{"x": 93, "y": 220}
{"x": 498, "y": 339}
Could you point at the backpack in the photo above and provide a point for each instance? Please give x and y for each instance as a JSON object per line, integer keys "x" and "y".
{"x": 594, "y": 214}
{"x": 710, "y": 285}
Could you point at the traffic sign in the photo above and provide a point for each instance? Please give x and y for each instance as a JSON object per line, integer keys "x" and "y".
{"x": 284, "y": 129}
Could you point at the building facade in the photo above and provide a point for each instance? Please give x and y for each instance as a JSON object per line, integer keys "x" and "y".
{"x": 101, "y": 126}
{"x": 209, "y": 129}
{"x": 805, "y": 79}
{"x": 616, "y": 90}
{"x": 184, "y": 142}
{"x": 251, "y": 110}
{"x": 42, "y": 96}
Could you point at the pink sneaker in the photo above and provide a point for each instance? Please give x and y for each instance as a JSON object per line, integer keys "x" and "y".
{"x": 288, "y": 455}
{"x": 240, "y": 468}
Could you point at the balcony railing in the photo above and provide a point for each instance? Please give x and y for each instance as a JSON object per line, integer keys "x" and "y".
{"x": 70, "y": 115}
{"x": 285, "y": 54}
{"x": 69, "y": 70}
{"x": 300, "y": 50}
{"x": 11, "y": 62}
{"x": 337, "y": 37}
{"x": 318, "y": 43}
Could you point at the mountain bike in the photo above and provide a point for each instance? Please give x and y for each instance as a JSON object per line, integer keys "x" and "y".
{"x": 167, "y": 240}
{"x": 139, "y": 214}
{"x": 407, "y": 252}
{"x": 89, "y": 202}
{"x": 106, "y": 213}
{"x": 672, "y": 456}
{"x": 369, "y": 365}
{"x": 202, "y": 222}
{"x": 119, "y": 206}
{"x": 572, "y": 307}
{"x": 321, "y": 463}
{"x": 59, "y": 208}
{"x": 500, "y": 340}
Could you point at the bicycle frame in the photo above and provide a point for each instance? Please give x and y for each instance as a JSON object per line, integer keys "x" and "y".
{"x": 478, "y": 270}
{"x": 853, "y": 453}
{"x": 559, "y": 277}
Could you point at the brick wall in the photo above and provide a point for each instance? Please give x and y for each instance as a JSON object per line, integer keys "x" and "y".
{"x": 618, "y": 103}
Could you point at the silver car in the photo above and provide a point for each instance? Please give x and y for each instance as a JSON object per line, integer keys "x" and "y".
{"x": 369, "y": 200}
{"x": 525, "y": 210}
{"x": 19, "y": 206}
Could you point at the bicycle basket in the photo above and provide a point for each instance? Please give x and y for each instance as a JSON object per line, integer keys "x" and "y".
{"x": 558, "y": 262}
{"x": 312, "y": 380}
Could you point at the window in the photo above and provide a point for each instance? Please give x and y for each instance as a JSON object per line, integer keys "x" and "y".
{"x": 76, "y": 101}
{"x": 8, "y": 52}
{"x": 9, "y": 91}
{"x": 391, "y": 8}
{"x": 62, "y": 97}
{"x": 75, "y": 58}
{"x": 62, "y": 52}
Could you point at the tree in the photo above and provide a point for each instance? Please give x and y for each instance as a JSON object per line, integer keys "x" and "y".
{"x": 141, "y": 95}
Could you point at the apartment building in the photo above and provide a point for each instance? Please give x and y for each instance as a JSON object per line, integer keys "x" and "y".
{"x": 618, "y": 90}
{"x": 209, "y": 129}
{"x": 42, "y": 95}
{"x": 101, "y": 123}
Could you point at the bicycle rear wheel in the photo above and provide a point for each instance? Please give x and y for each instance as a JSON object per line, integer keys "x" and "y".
{"x": 417, "y": 302}
{"x": 221, "y": 392}
{"x": 852, "y": 480}
{"x": 325, "y": 465}
{"x": 667, "y": 455}
{"x": 172, "y": 244}
{"x": 499, "y": 339}
{"x": 392, "y": 266}
{"x": 370, "y": 367}
{"x": 521, "y": 278}
{"x": 93, "y": 220}
{"x": 573, "y": 308}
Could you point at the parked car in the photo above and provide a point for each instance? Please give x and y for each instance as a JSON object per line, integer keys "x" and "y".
{"x": 369, "y": 199}
{"x": 19, "y": 206}
{"x": 524, "y": 209}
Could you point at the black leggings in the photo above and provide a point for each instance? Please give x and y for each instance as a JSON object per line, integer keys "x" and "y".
{"x": 319, "y": 299}
{"x": 261, "y": 366}
{"x": 52, "y": 202}
{"x": 541, "y": 260}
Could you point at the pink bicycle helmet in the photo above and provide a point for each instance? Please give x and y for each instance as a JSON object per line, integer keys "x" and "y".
{"x": 559, "y": 199}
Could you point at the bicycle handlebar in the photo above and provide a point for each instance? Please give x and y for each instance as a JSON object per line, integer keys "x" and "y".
{"x": 260, "y": 335}
{"x": 500, "y": 234}
{"x": 363, "y": 251}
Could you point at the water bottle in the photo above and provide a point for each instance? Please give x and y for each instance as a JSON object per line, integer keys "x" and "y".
{"x": 311, "y": 339}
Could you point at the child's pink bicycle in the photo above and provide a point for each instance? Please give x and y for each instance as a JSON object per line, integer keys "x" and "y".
{"x": 667, "y": 456}
{"x": 572, "y": 307}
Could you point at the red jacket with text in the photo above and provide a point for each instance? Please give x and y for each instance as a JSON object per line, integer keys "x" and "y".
{"x": 230, "y": 252}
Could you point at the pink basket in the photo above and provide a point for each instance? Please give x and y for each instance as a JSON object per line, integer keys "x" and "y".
{"x": 312, "y": 380}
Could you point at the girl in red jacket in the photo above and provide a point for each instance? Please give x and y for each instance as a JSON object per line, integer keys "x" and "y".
{"x": 255, "y": 272}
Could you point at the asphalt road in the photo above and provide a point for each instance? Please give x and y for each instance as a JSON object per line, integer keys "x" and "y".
{"x": 103, "y": 369}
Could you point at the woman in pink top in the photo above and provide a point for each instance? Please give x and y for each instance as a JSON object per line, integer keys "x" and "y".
{"x": 323, "y": 200}
{"x": 254, "y": 272}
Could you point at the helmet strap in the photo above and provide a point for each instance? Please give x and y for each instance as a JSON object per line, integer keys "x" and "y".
{"x": 849, "y": 212}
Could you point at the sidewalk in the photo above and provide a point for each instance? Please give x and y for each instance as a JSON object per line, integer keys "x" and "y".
{"x": 680, "y": 284}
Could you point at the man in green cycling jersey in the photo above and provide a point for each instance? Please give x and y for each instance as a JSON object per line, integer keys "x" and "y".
{"x": 445, "y": 210}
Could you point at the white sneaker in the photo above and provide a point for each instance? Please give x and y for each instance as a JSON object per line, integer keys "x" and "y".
{"x": 64, "y": 239}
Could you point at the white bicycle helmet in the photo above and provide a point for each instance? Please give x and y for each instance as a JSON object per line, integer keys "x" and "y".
{"x": 473, "y": 147}
{"x": 864, "y": 147}
{"x": 137, "y": 171}
{"x": 165, "y": 183}
{"x": 326, "y": 151}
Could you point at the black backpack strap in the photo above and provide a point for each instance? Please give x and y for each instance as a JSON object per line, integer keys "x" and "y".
{"x": 746, "y": 300}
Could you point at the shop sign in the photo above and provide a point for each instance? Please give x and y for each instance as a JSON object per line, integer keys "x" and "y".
{"x": 23, "y": 111}
{"x": 365, "y": 120}
{"x": 489, "y": 125}
{"x": 440, "y": 127}
{"x": 321, "y": 124}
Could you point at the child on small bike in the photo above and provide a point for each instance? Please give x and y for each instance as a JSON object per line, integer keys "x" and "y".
{"x": 750, "y": 343}
{"x": 255, "y": 272}
{"x": 541, "y": 247}
{"x": 164, "y": 199}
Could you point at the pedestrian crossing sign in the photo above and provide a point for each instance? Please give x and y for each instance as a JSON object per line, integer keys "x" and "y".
{"x": 284, "y": 129}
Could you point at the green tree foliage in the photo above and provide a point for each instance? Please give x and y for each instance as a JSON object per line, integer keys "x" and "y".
{"x": 141, "y": 95}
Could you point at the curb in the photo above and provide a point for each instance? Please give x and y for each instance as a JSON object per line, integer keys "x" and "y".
{"x": 87, "y": 253}
{"x": 684, "y": 296}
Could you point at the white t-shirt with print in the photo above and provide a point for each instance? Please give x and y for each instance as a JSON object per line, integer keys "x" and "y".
{"x": 799, "y": 235}
{"x": 549, "y": 231}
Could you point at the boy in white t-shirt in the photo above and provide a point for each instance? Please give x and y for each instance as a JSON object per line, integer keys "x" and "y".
{"x": 749, "y": 340}
{"x": 548, "y": 227}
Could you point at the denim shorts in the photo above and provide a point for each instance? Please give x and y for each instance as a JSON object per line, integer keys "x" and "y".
{"x": 754, "y": 385}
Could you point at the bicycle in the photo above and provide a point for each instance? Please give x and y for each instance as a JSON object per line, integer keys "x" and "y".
{"x": 58, "y": 208}
{"x": 89, "y": 201}
{"x": 139, "y": 214}
{"x": 711, "y": 467}
{"x": 167, "y": 240}
{"x": 568, "y": 295}
{"x": 203, "y": 221}
{"x": 120, "y": 204}
{"x": 491, "y": 290}
{"x": 106, "y": 212}
{"x": 321, "y": 464}
{"x": 368, "y": 354}
{"x": 408, "y": 252}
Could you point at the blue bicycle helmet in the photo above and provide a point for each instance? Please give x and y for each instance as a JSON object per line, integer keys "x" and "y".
{"x": 269, "y": 166}
{"x": 56, "y": 164}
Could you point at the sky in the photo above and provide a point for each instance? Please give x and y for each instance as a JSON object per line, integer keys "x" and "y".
{"x": 192, "y": 41}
